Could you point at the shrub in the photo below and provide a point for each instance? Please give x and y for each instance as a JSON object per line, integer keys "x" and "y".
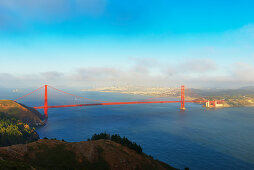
{"x": 118, "y": 139}
{"x": 100, "y": 136}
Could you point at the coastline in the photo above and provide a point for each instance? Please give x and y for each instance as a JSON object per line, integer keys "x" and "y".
{"x": 158, "y": 95}
{"x": 139, "y": 93}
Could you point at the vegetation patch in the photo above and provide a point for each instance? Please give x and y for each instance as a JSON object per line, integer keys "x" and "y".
{"x": 100, "y": 164}
{"x": 56, "y": 156}
{"x": 21, "y": 112}
{"x": 14, "y": 165}
{"x": 118, "y": 139}
{"x": 13, "y": 131}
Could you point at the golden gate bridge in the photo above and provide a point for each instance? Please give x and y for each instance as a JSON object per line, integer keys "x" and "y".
{"x": 182, "y": 100}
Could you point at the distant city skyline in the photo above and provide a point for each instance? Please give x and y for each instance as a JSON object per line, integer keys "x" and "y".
{"x": 87, "y": 43}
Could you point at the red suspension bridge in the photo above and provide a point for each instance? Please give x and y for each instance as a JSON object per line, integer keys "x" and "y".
{"x": 99, "y": 102}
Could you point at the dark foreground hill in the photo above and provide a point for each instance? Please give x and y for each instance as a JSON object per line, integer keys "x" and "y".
{"x": 21, "y": 112}
{"x": 55, "y": 154}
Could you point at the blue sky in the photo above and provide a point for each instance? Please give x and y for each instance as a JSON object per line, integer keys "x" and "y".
{"x": 80, "y": 43}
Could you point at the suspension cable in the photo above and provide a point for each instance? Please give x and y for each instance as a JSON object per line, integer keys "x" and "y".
{"x": 29, "y": 93}
{"x": 76, "y": 95}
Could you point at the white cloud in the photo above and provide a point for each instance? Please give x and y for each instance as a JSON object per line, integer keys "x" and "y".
{"x": 139, "y": 74}
{"x": 243, "y": 72}
{"x": 51, "y": 75}
{"x": 199, "y": 71}
{"x": 198, "y": 65}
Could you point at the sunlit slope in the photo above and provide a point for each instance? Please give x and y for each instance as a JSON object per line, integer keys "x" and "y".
{"x": 99, "y": 154}
{"x": 21, "y": 112}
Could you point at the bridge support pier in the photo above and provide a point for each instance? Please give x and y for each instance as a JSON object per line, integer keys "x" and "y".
{"x": 182, "y": 97}
{"x": 46, "y": 101}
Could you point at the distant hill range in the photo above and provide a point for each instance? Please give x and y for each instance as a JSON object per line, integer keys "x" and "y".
{"x": 248, "y": 91}
{"x": 250, "y": 88}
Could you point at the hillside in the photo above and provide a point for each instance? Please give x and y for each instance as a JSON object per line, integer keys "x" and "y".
{"x": 13, "y": 131}
{"x": 21, "y": 112}
{"x": 99, "y": 154}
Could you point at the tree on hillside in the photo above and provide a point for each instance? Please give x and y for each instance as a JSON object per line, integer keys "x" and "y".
{"x": 118, "y": 139}
{"x": 13, "y": 131}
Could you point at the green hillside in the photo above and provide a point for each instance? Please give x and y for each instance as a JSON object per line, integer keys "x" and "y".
{"x": 13, "y": 131}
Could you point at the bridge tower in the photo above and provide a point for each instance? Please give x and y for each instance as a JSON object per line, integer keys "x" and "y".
{"x": 182, "y": 97}
{"x": 46, "y": 101}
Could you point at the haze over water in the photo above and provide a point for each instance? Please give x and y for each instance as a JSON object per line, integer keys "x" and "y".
{"x": 197, "y": 138}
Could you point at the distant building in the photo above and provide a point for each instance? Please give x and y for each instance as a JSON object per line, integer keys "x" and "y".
{"x": 215, "y": 103}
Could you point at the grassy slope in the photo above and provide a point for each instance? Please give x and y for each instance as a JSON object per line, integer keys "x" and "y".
{"x": 100, "y": 154}
{"x": 21, "y": 112}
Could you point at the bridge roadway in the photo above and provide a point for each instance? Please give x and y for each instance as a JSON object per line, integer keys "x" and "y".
{"x": 115, "y": 103}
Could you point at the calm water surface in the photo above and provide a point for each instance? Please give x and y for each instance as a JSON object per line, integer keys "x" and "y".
{"x": 197, "y": 138}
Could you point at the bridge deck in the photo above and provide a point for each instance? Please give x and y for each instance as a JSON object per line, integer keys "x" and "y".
{"x": 115, "y": 103}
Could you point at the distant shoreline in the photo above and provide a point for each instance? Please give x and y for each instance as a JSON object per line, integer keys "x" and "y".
{"x": 226, "y": 104}
{"x": 138, "y": 93}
